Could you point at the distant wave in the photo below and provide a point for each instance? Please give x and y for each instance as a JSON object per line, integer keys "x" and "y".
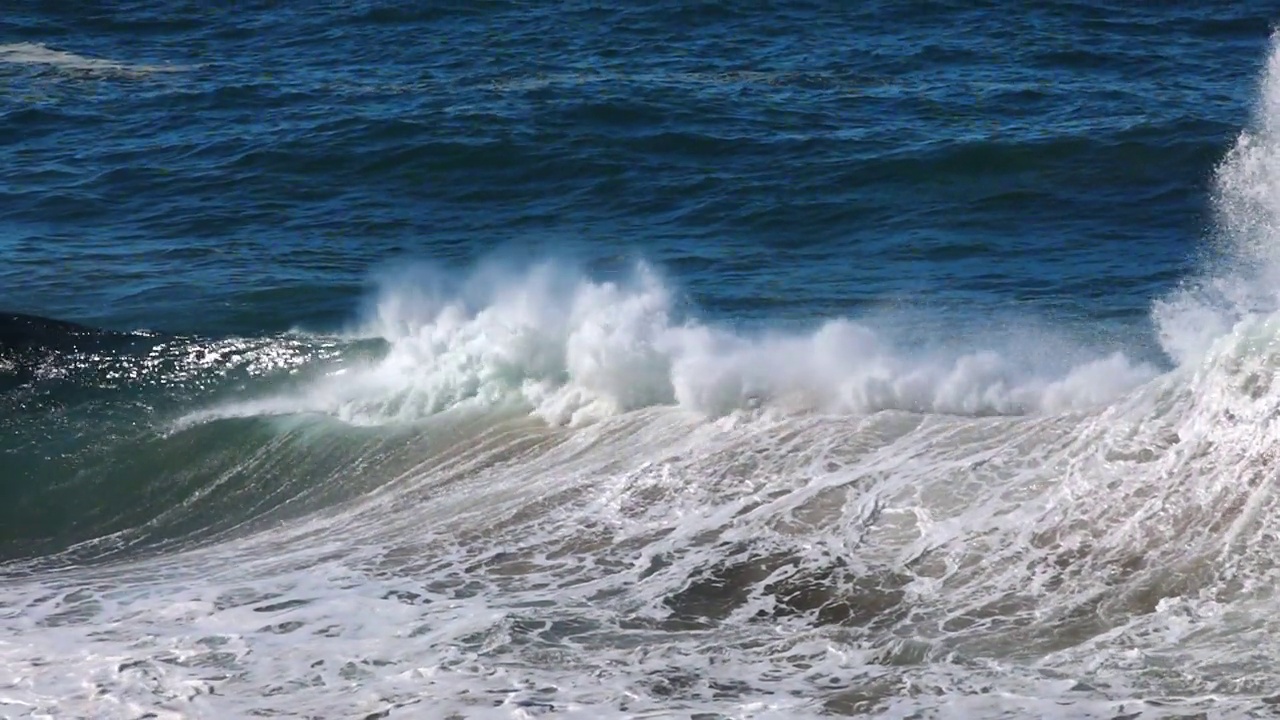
{"x": 40, "y": 54}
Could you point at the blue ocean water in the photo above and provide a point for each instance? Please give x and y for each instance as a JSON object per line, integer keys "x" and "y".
{"x": 596, "y": 359}
{"x": 229, "y": 171}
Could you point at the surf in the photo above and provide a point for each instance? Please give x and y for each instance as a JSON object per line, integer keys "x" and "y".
{"x": 489, "y": 489}
{"x": 572, "y": 350}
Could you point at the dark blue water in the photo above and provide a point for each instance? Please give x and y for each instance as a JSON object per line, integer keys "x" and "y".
{"x": 780, "y": 160}
{"x": 773, "y": 325}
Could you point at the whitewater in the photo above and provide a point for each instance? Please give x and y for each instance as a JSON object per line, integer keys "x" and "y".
{"x": 534, "y": 492}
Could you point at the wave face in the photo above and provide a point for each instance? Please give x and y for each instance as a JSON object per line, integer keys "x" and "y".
{"x": 544, "y": 489}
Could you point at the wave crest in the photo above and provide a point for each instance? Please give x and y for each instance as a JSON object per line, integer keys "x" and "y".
{"x": 574, "y": 350}
{"x": 1241, "y": 281}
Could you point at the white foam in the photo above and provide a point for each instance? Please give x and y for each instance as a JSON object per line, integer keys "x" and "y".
{"x": 1059, "y": 565}
{"x": 1036, "y": 554}
{"x": 575, "y": 350}
{"x": 1242, "y": 277}
{"x": 1094, "y": 564}
{"x": 40, "y": 54}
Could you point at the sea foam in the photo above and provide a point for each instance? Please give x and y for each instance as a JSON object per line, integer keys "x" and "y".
{"x": 40, "y": 54}
{"x": 1240, "y": 277}
{"x": 573, "y": 349}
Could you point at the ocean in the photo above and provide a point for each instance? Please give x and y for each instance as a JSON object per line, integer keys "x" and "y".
{"x": 604, "y": 359}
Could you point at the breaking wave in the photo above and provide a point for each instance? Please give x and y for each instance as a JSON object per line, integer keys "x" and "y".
{"x": 869, "y": 522}
{"x": 575, "y": 350}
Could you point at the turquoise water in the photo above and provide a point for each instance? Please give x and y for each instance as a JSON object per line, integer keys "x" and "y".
{"x": 638, "y": 360}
